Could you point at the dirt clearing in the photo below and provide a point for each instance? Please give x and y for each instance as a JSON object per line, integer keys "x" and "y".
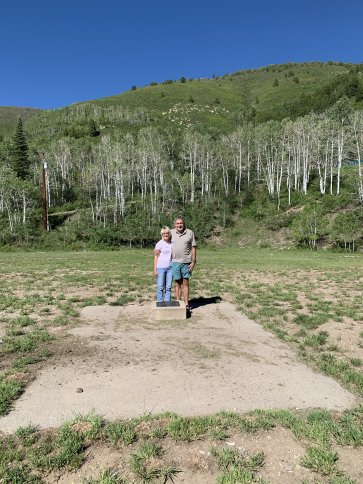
{"x": 122, "y": 364}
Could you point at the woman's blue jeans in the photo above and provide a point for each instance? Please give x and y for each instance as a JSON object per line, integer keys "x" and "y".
{"x": 163, "y": 283}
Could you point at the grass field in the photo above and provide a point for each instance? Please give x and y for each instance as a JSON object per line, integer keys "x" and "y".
{"x": 311, "y": 300}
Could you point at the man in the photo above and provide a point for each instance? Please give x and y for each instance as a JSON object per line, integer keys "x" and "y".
{"x": 184, "y": 258}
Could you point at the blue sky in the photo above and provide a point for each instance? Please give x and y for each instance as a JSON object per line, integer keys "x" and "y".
{"x": 55, "y": 53}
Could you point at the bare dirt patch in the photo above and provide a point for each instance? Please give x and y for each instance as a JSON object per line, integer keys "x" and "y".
{"x": 122, "y": 364}
{"x": 282, "y": 455}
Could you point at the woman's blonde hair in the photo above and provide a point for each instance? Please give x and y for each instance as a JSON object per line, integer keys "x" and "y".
{"x": 165, "y": 230}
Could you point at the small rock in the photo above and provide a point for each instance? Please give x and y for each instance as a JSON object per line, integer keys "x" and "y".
{"x": 79, "y": 390}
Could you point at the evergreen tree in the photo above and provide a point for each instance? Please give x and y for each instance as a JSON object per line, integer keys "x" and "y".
{"x": 19, "y": 152}
{"x": 93, "y": 131}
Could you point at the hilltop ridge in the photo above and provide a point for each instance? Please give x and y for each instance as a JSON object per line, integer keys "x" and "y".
{"x": 221, "y": 102}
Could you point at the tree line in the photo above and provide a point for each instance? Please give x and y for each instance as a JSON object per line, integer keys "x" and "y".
{"x": 125, "y": 184}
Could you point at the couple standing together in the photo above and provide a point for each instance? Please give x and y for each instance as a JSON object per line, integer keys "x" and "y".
{"x": 174, "y": 258}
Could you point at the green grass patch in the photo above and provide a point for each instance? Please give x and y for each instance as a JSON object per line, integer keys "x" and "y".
{"x": 120, "y": 433}
{"x": 311, "y": 321}
{"x": 9, "y": 391}
{"x": 122, "y": 300}
{"x": 320, "y": 460}
{"x": 236, "y": 467}
{"x": 147, "y": 464}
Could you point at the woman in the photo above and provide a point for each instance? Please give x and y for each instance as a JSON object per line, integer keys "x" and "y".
{"x": 162, "y": 266}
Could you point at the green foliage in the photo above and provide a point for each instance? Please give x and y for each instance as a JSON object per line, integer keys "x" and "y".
{"x": 146, "y": 463}
{"x": 346, "y": 229}
{"x": 120, "y": 432}
{"x": 120, "y": 167}
{"x": 20, "y": 474}
{"x": 108, "y": 476}
{"x": 261, "y": 207}
{"x": 309, "y": 227}
{"x": 9, "y": 390}
{"x": 320, "y": 460}
{"x": 19, "y": 152}
{"x": 187, "y": 429}
{"x": 93, "y": 129}
{"x": 235, "y": 467}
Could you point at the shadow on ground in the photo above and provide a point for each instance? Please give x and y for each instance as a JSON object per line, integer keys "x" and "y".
{"x": 203, "y": 301}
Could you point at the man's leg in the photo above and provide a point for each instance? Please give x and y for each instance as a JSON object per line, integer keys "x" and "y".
{"x": 186, "y": 291}
{"x": 178, "y": 286}
{"x": 178, "y": 279}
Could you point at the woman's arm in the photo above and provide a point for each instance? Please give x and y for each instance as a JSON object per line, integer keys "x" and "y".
{"x": 156, "y": 257}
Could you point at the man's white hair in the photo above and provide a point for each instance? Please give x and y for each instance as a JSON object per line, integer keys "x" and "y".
{"x": 180, "y": 217}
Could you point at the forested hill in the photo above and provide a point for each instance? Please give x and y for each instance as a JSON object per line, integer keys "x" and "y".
{"x": 9, "y": 116}
{"x": 277, "y": 148}
{"x": 221, "y": 102}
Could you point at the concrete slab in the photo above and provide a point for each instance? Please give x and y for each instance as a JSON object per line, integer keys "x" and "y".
{"x": 176, "y": 310}
{"x": 129, "y": 365}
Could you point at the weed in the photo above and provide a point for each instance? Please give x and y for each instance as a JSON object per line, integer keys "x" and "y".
{"x": 219, "y": 434}
{"x": 316, "y": 340}
{"x": 356, "y": 361}
{"x": 235, "y": 467}
{"x": 61, "y": 320}
{"x": 349, "y": 430}
{"x": 21, "y": 344}
{"x": 70, "y": 445}
{"x": 184, "y": 428}
{"x": 40, "y": 454}
{"x": 120, "y": 432}
{"x": 90, "y": 426}
{"x": 23, "y": 362}
{"x": 19, "y": 474}
{"x": 342, "y": 479}
{"x": 94, "y": 301}
{"x": 23, "y": 321}
{"x": 320, "y": 460}
{"x": 311, "y": 321}
{"x": 27, "y": 435}
{"x": 122, "y": 300}
{"x": 9, "y": 391}
{"x": 147, "y": 464}
{"x": 108, "y": 476}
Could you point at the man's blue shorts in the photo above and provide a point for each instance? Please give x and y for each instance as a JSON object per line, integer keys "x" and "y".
{"x": 180, "y": 270}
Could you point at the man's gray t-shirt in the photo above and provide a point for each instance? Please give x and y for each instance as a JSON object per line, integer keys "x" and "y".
{"x": 182, "y": 244}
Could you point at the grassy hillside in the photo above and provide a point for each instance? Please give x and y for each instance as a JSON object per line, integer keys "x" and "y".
{"x": 10, "y": 114}
{"x": 220, "y": 101}
{"x": 271, "y": 92}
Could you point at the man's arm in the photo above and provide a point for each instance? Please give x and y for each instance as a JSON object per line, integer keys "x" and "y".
{"x": 194, "y": 258}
